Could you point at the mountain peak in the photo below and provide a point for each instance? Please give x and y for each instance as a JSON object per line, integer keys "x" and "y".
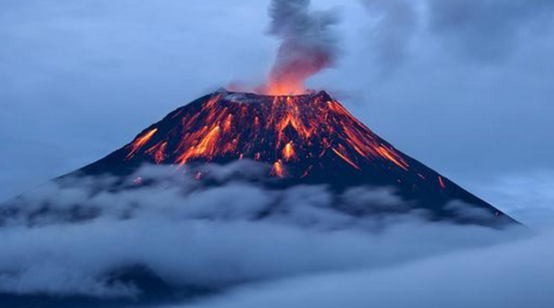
{"x": 303, "y": 139}
{"x": 228, "y": 126}
{"x": 250, "y": 96}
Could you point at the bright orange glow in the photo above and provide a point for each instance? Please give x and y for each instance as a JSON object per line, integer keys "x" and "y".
{"x": 390, "y": 156}
{"x": 228, "y": 122}
{"x": 345, "y": 158}
{"x": 296, "y": 130}
{"x": 213, "y": 100}
{"x": 292, "y": 68}
{"x": 288, "y": 86}
{"x": 140, "y": 142}
{"x": 207, "y": 147}
{"x": 278, "y": 169}
{"x": 288, "y": 152}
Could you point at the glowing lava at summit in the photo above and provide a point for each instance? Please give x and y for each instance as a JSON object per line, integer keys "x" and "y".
{"x": 308, "y": 139}
{"x": 291, "y": 133}
{"x": 307, "y": 45}
{"x": 292, "y": 69}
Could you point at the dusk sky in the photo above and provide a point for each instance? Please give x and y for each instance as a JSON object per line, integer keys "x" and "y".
{"x": 465, "y": 87}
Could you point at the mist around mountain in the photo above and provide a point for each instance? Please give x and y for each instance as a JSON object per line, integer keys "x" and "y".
{"x": 168, "y": 241}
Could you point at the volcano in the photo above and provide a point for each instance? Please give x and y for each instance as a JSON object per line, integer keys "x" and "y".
{"x": 308, "y": 139}
{"x": 302, "y": 142}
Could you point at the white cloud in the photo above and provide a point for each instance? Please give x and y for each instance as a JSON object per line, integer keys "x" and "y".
{"x": 70, "y": 237}
{"x": 511, "y": 275}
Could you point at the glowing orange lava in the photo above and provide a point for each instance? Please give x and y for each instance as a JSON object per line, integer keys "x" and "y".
{"x": 284, "y": 131}
{"x": 206, "y": 147}
{"x": 292, "y": 68}
{"x": 289, "y": 86}
{"x": 288, "y": 152}
{"x": 278, "y": 169}
{"x": 158, "y": 151}
{"x": 140, "y": 142}
{"x": 390, "y": 156}
{"x": 345, "y": 158}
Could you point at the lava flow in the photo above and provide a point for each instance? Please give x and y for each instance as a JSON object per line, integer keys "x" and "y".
{"x": 283, "y": 131}
{"x": 308, "y": 139}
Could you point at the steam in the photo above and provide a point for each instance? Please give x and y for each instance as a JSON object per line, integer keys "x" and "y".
{"x": 308, "y": 44}
{"x": 474, "y": 30}
{"x": 396, "y": 24}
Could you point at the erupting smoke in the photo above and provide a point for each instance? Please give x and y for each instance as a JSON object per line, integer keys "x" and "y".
{"x": 307, "y": 47}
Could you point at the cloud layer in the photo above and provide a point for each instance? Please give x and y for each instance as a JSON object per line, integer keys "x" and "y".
{"x": 469, "y": 80}
{"x": 69, "y": 237}
{"x": 505, "y": 276}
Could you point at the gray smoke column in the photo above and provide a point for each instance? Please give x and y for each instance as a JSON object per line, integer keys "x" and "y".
{"x": 308, "y": 45}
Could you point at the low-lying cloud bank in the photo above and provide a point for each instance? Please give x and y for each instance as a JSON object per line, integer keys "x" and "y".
{"x": 512, "y": 275}
{"x": 69, "y": 237}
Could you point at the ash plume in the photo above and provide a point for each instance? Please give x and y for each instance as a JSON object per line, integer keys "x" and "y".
{"x": 308, "y": 44}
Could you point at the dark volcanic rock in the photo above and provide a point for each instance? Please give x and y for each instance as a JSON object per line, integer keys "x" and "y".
{"x": 306, "y": 139}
